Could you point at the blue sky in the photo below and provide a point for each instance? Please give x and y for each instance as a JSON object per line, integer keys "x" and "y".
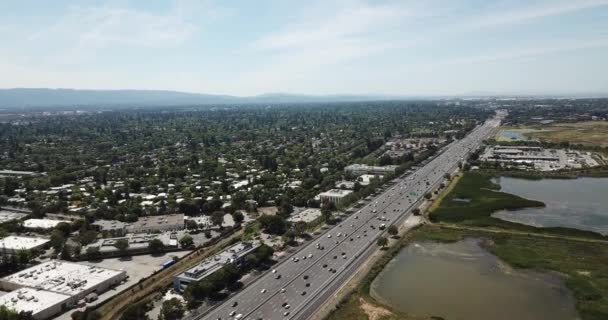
{"x": 313, "y": 47}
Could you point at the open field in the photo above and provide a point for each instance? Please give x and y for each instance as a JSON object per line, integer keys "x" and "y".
{"x": 585, "y": 132}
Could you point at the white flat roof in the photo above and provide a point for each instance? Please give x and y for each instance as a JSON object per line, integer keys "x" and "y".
{"x": 42, "y": 223}
{"x": 6, "y": 216}
{"x": 62, "y": 277}
{"x": 21, "y": 243}
{"x": 27, "y": 299}
{"x": 307, "y": 215}
{"x": 336, "y": 193}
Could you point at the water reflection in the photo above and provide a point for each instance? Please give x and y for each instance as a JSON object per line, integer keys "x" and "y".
{"x": 463, "y": 281}
{"x": 577, "y": 203}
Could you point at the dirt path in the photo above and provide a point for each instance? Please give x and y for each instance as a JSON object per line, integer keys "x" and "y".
{"x": 373, "y": 312}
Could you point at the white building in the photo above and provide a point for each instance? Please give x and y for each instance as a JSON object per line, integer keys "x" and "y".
{"x": 42, "y": 304}
{"x": 71, "y": 279}
{"x": 359, "y": 169}
{"x": 7, "y": 216}
{"x": 233, "y": 255}
{"x": 13, "y": 244}
{"x": 42, "y": 223}
{"x": 308, "y": 215}
{"x": 334, "y": 196}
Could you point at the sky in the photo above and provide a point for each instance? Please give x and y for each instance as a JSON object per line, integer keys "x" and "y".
{"x": 250, "y": 47}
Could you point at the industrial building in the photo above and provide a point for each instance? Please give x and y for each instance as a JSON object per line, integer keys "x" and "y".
{"x": 42, "y": 304}
{"x": 170, "y": 222}
{"x": 307, "y": 216}
{"x": 13, "y": 244}
{"x": 334, "y": 196}
{"x": 539, "y": 158}
{"x": 233, "y": 255}
{"x": 113, "y": 227}
{"x": 359, "y": 169}
{"x": 42, "y": 223}
{"x": 71, "y": 279}
{"x": 138, "y": 243}
{"x": 7, "y": 216}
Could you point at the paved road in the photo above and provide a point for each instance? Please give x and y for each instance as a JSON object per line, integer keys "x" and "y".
{"x": 298, "y": 286}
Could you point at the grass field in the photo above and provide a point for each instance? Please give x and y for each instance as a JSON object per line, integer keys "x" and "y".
{"x": 477, "y": 197}
{"x": 585, "y": 132}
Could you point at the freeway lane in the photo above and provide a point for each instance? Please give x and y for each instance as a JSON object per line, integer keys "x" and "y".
{"x": 297, "y": 286}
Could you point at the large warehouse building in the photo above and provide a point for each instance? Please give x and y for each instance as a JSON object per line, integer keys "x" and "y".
{"x": 14, "y": 244}
{"x": 71, "y": 279}
{"x": 42, "y": 304}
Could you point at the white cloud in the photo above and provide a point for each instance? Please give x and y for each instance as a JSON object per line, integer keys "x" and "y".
{"x": 532, "y": 12}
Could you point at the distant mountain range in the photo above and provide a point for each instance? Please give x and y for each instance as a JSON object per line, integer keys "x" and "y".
{"x": 36, "y": 98}
{"x": 25, "y": 98}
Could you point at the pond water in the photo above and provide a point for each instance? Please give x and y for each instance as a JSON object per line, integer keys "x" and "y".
{"x": 514, "y": 135}
{"x": 577, "y": 203}
{"x": 463, "y": 281}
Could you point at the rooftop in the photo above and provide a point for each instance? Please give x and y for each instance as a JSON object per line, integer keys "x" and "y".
{"x": 62, "y": 277}
{"x": 307, "y": 215}
{"x": 42, "y": 223}
{"x": 212, "y": 264}
{"x": 109, "y": 224}
{"x": 21, "y": 243}
{"x": 336, "y": 193}
{"x": 27, "y": 299}
{"x": 6, "y": 216}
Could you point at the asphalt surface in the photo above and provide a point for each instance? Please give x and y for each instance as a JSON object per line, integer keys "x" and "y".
{"x": 296, "y": 289}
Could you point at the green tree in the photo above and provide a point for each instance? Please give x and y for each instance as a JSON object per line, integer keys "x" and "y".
{"x": 382, "y": 242}
{"x": 92, "y": 252}
{"x": 416, "y": 211}
{"x": 155, "y": 245}
{"x": 186, "y": 241}
{"x": 392, "y": 230}
{"x": 172, "y": 310}
{"x": 136, "y": 311}
{"x": 217, "y": 218}
{"x": 57, "y": 240}
{"x": 289, "y": 236}
{"x": 122, "y": 245}
{"x": 191, "y": 225}
{"x": 273, "y": 224}
{"x": 238, "y": 217}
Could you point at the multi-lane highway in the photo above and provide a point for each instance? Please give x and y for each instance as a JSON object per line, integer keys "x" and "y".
{"x": 298, "y": 286}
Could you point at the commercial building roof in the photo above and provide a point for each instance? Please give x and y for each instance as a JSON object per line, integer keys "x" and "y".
{"x": 158, "y": 222}
{"x": 307, "y": 215}
{"x": 15, "y": 243}
{"x": 32, "y": 300}
{"x": 212, "y": 264}
{"x": 338, "y": 193}
{"x": 42, "y": 223}
{"x": 62, "y": 277}
{"x": 109, "y": 224}
{"x": 6, "y": 216}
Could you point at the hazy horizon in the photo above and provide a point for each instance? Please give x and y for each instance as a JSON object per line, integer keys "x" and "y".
{"x": 335, "y": 47}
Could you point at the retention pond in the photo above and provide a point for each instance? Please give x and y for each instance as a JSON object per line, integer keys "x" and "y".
{"x": 576, "y": 203}
{"x": 462, "y": 281}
